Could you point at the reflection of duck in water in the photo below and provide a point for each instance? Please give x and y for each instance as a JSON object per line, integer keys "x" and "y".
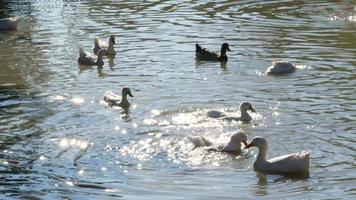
{"x": 233, "y": 146}
{"x": 115, "y": 100}
{"x": 291, "y": 164}
{"x": 86, "y": 58}
{"x": 245, "y": 116}
{"x": 8, "y": 24}
{"x": 109, "y": 47}
{"x": 208, "y": 55}
{"x": 280, "y": 68}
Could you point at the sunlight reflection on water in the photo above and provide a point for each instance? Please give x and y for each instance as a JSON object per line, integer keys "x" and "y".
{"x": 58, "y": 135}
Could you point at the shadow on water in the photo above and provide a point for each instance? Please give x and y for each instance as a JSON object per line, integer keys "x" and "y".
{"x": 22, "y": 106}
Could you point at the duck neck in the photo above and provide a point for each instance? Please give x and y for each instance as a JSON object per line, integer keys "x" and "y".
{"x": 124, "y": 101}
{"x": 262, "y": 153}
{"x": 223, "y": 51}
{"x": 100, "y": 58}
{"x": 111, "y": 49}
{"x": 245, "y": 116}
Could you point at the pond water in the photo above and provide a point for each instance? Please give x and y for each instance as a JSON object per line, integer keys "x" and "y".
{"x": 58, "y": 140}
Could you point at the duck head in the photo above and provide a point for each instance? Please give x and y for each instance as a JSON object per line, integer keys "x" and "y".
{"x": 258, "y": 142}
{"x": 112, "y": 39}
{"x": 240, "y": 137}
{"x": 224, "y": 47}
{"x": 126, "y": 91}
{"x": 245, "y": 106}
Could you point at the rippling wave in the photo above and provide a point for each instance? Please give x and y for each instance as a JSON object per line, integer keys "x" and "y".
{"x": 58, "y": 139}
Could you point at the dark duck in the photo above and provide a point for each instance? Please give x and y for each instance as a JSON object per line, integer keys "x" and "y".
{"x": 208, "y": 55}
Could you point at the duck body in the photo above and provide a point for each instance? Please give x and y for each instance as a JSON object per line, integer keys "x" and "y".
{"x": 215, "y": 114}
{"x": 233, "y": 146}
{"x": 109, "y": 47}
{"x": 8, "y": 24}
{"x": 115, "y": 100}
{"x": 295, "y": 163}
{"x": 291, "y": 164}
{"x": 208, "y": 55}
{"x": 86, "y": 58}
{"x": 280, "y": 68}
{"x": 245, "y": 116}
{"x": 199, "y": 141}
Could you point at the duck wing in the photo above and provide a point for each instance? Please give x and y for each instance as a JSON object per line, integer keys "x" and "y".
{"x": 199, "y": 141}
{"x": 289, "y": 164}
{"x": 87, "y": 58}
{"x": 215, "y": 114}
{"x": 103, "y": 44}
{"x": 225, "y": 148}
{"x": 232, "y": 119}
{"x": 99, "y": 44}
{"x": 111, "y": 98}
{"x": 280, "y": 67}
{"x": 205, "y": 54}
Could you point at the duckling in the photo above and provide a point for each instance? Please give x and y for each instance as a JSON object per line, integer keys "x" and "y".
{"x": 208, "y": 55}
{"x": 99, "y": 44}
{"x": 115, "y": 100}
{"x": 280, "y": 68}
{"x": 86, "y": 58}
{"x": 245, "y": 117}
{"x": 8, "y": 24}
{"x": 233, "y": 146}
{"x": 291, "y": 164}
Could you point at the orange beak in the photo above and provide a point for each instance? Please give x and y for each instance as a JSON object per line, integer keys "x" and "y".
{"x": 245, "y": 143}
{"x": 248, "y": 145}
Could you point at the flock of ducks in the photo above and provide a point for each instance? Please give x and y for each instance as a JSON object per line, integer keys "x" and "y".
{"x": 291, "y": 164}
{"x": 295, "y": 164}
{"x": 102, "y": 48}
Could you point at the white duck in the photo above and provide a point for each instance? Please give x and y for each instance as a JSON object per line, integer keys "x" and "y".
{"x": 233, "y": 146}
{"x": 291, "y": 164}
{"x": 8, "y": 24}
{"x": 280, "y": 68}
{"x": 115, "y": 100}
{"x": 109, "y": 47}
{"x": 245, "y": 116}
{"x": 86, "y": 58}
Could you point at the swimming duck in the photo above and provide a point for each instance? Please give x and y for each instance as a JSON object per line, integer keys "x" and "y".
{"x": 233, "y": 146}
{"x": 291, "y": 164}
{"x": 99, "y": 44}
{"x": 86, "y": 58}
{"x": 280, "y": 68}
{"x": 199, "y": 141}
{"x": 8, "y": 23}
{"x": 115, "y": 100}
{"x": 245, "y": 116}
{"x": 208, "y": 55}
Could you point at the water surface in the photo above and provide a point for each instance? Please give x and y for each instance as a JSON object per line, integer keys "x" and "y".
{"x": 58, "y": 139}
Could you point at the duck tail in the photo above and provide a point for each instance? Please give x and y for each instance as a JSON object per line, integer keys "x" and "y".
{"x": 81, "y": 50}
{"x": 197, "y": 47}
